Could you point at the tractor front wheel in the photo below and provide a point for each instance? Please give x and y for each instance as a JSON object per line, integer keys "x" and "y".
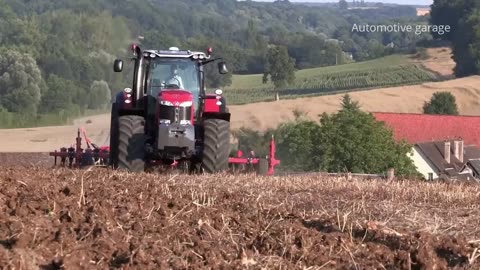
{"x": 131, "y": 143}
{"x": 216, "y": 145}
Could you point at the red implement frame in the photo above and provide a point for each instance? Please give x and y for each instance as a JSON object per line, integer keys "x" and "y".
{"x": 76, "y": 154}
{"x": 272, "y": 162}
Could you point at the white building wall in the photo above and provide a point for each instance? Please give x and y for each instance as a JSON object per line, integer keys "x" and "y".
{"x": 421, "y": 163}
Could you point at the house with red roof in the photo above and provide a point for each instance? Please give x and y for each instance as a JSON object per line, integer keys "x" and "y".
{"x": 417, "y": 128}
{"x": 443, "y": 145}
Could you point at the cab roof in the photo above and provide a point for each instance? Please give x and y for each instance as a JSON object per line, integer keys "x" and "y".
{"x": 174, "y": 52}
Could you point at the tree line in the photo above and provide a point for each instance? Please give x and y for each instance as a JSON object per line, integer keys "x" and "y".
{"x": 57, "y": 63}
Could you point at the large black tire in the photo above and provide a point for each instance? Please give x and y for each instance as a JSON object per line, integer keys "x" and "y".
{"x": 113, "y": 155}
{"x": 216, "y": 144}
{"x": 131, "y": 147}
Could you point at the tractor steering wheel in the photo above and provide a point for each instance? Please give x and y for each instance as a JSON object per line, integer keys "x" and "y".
{"x": 172, "y": 86}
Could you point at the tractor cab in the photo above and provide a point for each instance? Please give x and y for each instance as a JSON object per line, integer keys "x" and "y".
{"x": 164, "y": 71}
{"x": 173, "y": 70}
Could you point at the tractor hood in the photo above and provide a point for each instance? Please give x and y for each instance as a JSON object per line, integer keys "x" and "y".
{"x": 175, "y": 96}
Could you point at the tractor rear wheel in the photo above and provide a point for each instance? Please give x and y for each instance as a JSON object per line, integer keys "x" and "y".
{"x": 216, "y": 145}
{"x": 131, "y": 146}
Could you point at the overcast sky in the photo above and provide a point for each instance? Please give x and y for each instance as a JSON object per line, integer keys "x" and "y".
{"x": 405, "y": 2}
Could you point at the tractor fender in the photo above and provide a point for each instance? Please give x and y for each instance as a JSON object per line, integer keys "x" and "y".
{"x": 214, "y": 111}
{"x": 211, "y": 104}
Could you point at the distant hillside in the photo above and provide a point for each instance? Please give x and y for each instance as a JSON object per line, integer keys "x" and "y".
{"x": 401, "y": 99}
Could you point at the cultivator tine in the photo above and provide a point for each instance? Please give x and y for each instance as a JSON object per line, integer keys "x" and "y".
{"x": 272, "y": 161}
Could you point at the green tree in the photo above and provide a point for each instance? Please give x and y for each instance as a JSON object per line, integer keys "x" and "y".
{"x": 296, "y": 142}
{"x": 279, "y": 66}
{"x": 348, "y": 104}
{"x": 100, "y": 95}
{"x": 375, "y": 49}
{"x": 441, "y": 103}
{"x": 21, "y": 82}
{"x": 342, "y": 4}
{"x": 58, "y": 95}
{"x": 446, "y": 12}
{"x": 251, "y": 35}
{"x": 463, "y": 18}
{"x": 353, "y": 141}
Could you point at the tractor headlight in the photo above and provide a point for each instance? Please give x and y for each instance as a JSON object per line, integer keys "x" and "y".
{"x": 127, "y": 90}
{"x": 219, "y": 103}
{"x": 186, "y": 104}
{"x": 166, "y": 103}
{"x": 218, "y": 92}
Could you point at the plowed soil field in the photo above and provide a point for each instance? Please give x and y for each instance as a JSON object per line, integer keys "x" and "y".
{"x": 100, "y": 219}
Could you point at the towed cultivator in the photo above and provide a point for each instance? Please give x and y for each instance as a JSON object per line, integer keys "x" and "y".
{"x": 93, "y": 155}
{"x": 78, "y": 157}
{"x": 263, "y": 166}
{"x": 168, "y": 120}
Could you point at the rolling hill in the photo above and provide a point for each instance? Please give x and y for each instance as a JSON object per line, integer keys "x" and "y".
{"x": 400, "y": 99}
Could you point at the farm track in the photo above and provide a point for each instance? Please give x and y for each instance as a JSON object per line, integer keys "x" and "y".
{"x": 97, "y": 219}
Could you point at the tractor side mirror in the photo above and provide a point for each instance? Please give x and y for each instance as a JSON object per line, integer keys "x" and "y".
{"x": 118, "y": 65}
{"x": 222, "y": 68}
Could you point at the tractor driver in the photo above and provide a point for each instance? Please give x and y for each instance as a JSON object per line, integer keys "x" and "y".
{"x": 174, "y": 78}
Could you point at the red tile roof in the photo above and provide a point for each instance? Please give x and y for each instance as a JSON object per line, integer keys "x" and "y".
{"x": 416, "y": 128}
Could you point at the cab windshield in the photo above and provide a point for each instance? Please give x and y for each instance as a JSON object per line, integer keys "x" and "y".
{"x": 173, "y": 74}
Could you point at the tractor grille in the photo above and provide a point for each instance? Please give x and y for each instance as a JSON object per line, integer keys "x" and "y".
{"x": 175, "y": 114}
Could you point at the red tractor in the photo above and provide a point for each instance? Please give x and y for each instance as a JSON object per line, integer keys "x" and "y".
{"x": 166, "y": 118}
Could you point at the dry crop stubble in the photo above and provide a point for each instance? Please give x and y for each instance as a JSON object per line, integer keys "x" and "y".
{"x": 145, "y": 221}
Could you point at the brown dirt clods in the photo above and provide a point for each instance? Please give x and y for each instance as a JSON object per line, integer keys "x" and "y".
{"x": 99, "y": 219}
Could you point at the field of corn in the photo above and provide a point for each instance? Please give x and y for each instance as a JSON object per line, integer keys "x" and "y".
{"x": 334, "y": 82}
{"x": 98, "y": 219}
{"x": 389, "y": 71}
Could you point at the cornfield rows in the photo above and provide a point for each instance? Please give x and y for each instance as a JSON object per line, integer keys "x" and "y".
{"x": 336, "y": 82}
